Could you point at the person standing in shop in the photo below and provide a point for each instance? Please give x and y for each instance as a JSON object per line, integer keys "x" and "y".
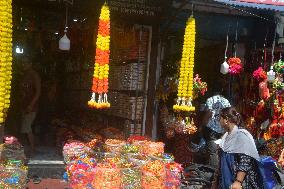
{"x": 213, "y": 129}
{"x": 31, "y": 90}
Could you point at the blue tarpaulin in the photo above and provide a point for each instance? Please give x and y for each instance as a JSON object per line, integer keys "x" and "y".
{"x": 252, "y": 5}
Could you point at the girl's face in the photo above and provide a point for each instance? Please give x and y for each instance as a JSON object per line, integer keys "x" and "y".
{"x": 224, "y": 123}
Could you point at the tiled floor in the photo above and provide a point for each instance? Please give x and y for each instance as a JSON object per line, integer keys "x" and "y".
{"x": 48, "y": 184}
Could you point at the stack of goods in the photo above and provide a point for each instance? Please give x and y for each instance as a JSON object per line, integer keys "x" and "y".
{"x": 176, "y": 125}
{"x": 90, "y": 134}
{"x": 125, "y": 105}
{"x": 127, "y": 77}
{"x": 132, "y": 164}
{"x": 13, "y": 175}
{"x": 266, "y": 121}
{"x": 13, "y": 172}
{"x": 114, "y": 145}
{"x": 81, "y": 172}
{"x": 73, "y": 150}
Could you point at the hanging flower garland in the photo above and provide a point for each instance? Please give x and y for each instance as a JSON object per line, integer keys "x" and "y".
{"x": 101, "y": 71}
{"x": 199, "y": 86}
{"x": 5, "y": 56}
{"x": 236, "y": 66}
{"x": 259, "y": 74}
{"x": 185, "y": 87}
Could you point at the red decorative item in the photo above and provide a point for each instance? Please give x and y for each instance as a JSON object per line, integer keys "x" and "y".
{"x": 274, "y": 130}
{"x": 263, "y": 90}
{"x": 236, "y": 66}
{"x": 260, "y": 74}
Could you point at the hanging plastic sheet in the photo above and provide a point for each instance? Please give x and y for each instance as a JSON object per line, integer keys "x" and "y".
{"x": 276, "y": 5}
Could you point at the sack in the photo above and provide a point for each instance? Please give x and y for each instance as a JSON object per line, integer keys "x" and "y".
{"x": 269, "y": 172}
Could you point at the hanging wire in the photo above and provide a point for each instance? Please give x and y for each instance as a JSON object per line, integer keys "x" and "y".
{"x": 227, "y": 42}
{"x": 250, "y": 13}
{"x": 236, "y": 38}
{"x": 66, "y": 17}
{"x": 264, "y": 49}
{"x": 273, "y": 47}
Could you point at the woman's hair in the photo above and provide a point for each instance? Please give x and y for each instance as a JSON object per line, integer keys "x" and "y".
{"x": 232, "y": 115}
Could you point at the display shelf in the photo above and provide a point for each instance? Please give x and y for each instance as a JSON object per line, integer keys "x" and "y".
{"x": 127, "y": 79}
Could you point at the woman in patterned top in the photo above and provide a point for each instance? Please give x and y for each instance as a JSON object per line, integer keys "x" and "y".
{"x": 238, "y": 155}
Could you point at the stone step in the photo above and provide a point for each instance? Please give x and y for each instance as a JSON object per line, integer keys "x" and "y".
{"x": 46, "y": 163}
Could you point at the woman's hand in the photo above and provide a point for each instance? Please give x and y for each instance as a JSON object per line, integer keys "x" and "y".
{"x": 236, "y": 185}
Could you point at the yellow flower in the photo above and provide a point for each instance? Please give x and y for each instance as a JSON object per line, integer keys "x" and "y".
{"x": 105, "y": 13}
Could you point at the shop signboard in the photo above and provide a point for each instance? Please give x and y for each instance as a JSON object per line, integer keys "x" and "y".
{"x": 136, "y": 7}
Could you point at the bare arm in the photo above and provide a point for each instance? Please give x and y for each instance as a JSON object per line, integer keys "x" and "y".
{"x": 37, "y": 82}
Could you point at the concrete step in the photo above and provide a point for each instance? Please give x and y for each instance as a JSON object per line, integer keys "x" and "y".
{"x": 46, "y": 163}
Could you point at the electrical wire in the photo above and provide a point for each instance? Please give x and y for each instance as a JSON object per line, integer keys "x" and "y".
{"x": 249, "y": 13}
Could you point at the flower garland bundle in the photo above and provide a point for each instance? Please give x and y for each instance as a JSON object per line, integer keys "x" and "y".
{"x": 279, "y": 67}
{"x": 185, "y": 87}
{"x": 259, "y": 74}
{"x": 199, "y": 86}
{"x": 235, "y": 66}
{"x": 101, "y": 70}
{"x": 5, "y": 56}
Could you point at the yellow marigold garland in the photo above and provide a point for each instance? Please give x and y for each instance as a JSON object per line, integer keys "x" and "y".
{"x": 5, "y": 56}
{"x": 185, "y": 87}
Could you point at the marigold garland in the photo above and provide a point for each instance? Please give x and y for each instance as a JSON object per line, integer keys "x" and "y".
{"x": 185, "y": 87}
{"x": 5, "y": 56}
{"x": 101, "y": 69}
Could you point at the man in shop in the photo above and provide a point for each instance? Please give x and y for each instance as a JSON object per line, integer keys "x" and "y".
{"x": 31, "y": 89}
{"x": 213, "y": 129}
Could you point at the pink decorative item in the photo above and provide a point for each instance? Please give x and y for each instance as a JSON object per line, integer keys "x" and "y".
{"x": 236, "y": 66}
{"x": 263, "y": 90}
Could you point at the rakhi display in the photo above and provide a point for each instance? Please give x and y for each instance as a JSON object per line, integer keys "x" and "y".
{"x": 101, "y": 70}
{"x": 132, "y": 167}
{"x": 185, "y": 87}
{"x": 5, "y": 57}
{"x": 12, "y": 176}
{"x": 13, "y": 172}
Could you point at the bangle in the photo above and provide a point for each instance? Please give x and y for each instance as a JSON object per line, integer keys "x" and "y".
{"x": 239, "y": 181}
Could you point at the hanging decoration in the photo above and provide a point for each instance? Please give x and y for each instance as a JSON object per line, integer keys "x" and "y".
{"x": 279, "y": 67}
{"x": 5, "y": 57}
{"x": 261, "y": 76}
{"x": 271, "y": 75}
{"x": 235, "y": 66}
{"x": 185, "y": 87}
{"x": 101, "y": 71}
{"x": 224, "y": 69}
{"x": 235, "y": 63}
{"x": 199, "y": 87}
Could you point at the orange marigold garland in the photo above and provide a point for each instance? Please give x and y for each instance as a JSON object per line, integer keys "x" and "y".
{"x": 100, "y": 78}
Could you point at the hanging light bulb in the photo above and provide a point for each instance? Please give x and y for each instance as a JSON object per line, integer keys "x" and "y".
{"x": 64, "y": 42}
{"x": 224, "y": 68}
{"x": 271, "y": 75}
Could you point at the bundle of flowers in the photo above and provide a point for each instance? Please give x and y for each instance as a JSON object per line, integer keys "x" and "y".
{"x": 236, "y": 66}
{"x": 260, "y": 74}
